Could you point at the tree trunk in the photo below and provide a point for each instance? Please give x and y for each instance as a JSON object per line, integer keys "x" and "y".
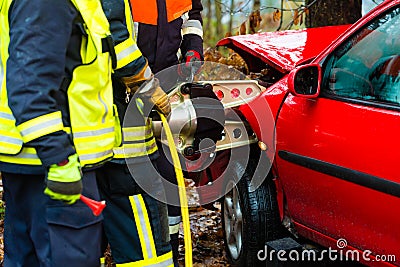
{"x": 232, "y": 7}
{"x": 256, "y": 5}
{"x": 333, "y": 12}
{"x": 218, "y": 17}
{"x": 207, "y": 27}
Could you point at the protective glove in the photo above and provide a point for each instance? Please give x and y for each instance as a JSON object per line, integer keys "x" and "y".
{"x": 155, "y": 96}
{"x": 150, "y": 90}
{"x": 133, "y": 82}
{"x": 64, "y": 180}
{"x": 191, "y": 64}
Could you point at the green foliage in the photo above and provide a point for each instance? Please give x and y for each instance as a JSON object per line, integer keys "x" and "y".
{"x": 210, "y": 36}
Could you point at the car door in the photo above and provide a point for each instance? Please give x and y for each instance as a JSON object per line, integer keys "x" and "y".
{"x": 339, "y": 154}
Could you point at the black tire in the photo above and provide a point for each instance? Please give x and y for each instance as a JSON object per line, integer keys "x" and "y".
{"x": 258, "y": 224}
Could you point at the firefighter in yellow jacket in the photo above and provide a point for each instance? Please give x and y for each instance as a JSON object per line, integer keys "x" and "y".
{"x": 166, "y": 27}
{"x": 56, "y": 117}
{"x": 135, "y": 223}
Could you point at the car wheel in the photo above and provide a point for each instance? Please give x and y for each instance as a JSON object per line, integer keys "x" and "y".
{"x": 249, "y": 220}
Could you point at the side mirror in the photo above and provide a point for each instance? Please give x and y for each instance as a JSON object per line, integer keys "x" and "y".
{"x": 305, "y": 80}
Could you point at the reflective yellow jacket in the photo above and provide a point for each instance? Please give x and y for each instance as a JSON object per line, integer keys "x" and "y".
{"x": 40, "y": 103}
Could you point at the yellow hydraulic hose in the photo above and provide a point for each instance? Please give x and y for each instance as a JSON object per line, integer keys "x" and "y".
{"x": 182, "y": 193}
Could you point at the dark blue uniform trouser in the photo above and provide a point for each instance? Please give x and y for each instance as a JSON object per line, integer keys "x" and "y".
{"x": 39, "y": 231}
{"x": 128, "y": 209}
{"x": 165, "y": 164}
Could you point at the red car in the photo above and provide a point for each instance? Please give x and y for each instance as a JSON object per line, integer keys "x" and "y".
{"x": 334, "y": 181}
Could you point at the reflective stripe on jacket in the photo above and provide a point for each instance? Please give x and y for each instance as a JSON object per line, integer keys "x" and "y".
{"x": 127, "y": 51}
{"x": 147, "y": 12}
{"x": 137, "y": 141}
{"x": 89, "y": 95}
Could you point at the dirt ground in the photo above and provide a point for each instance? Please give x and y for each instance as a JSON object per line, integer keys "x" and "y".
{"x": 207, "y": 238}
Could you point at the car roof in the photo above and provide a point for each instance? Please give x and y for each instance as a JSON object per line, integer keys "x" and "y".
{"x": 284, "y": 49}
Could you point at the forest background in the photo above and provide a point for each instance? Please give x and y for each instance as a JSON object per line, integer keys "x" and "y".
{"x": 232, "y": 17}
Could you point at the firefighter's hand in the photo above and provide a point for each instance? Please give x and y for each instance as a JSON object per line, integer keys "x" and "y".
{"x": 132, "y": 83}
{"x": 191, "y": 64}
{"x": 156, "y": 96}
{"x": 161, "y": 101}
{"x": 63, "y": 180}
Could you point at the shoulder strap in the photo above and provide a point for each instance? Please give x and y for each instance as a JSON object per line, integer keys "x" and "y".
{"x": 93, "y": 15}
{"x": 97, "y": 24}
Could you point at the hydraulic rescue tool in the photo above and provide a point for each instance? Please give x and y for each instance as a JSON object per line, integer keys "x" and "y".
{"x": 203, "y": 111}
{"x": 201, "y": 121}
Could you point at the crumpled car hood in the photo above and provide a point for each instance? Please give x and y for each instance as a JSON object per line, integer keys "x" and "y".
{"x": 284, "y": 49}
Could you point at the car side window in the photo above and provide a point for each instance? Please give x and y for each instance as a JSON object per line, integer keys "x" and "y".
{"x": 367, "y": 66}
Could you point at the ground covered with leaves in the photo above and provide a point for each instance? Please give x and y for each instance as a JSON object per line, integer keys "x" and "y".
{"x": 207, "y": 241}
{"x": 206, "y": 233}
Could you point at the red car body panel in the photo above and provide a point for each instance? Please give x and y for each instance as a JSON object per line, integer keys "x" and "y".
{"x": 305, "y": 44}
{"x": 337, "y": 208}
{"x": 343, "y": 135}
{"x": 283, "y": 50}
{"x": 272, "y": 98}
{"x": 355, "y": 137}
